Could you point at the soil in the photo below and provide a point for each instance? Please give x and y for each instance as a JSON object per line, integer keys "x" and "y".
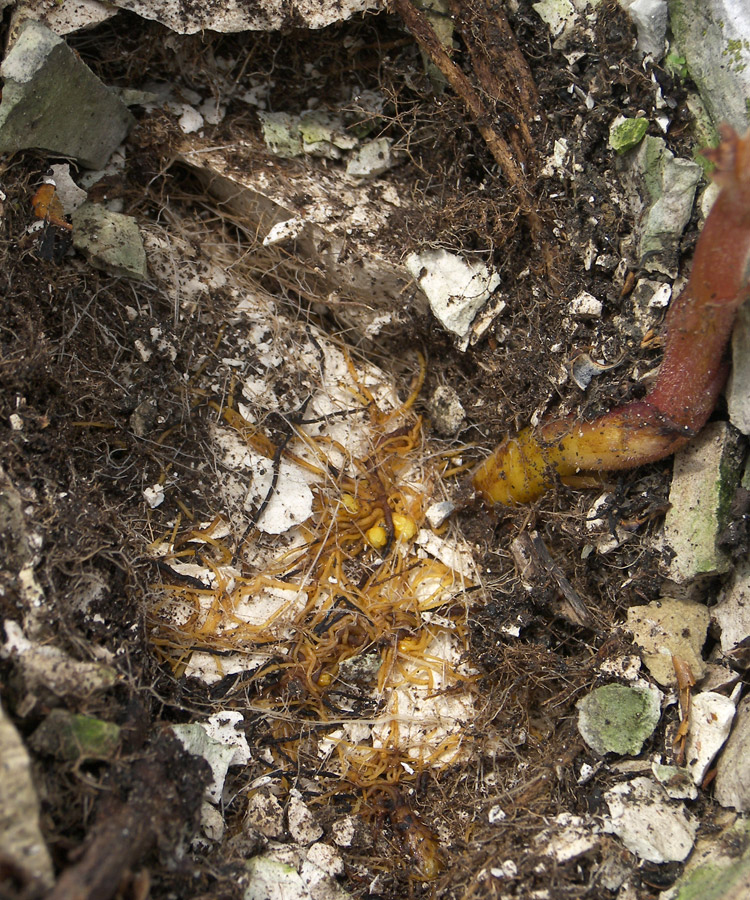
{"x": 100, "y": 424}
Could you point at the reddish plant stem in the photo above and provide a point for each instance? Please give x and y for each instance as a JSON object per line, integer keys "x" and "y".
{"x": 691, "y": 376}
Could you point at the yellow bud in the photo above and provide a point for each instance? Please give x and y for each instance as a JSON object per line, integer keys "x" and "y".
{"x": 404, "y": 527}
{"x": 324, "y": 679}
{"x": 351, "y": 504}
{"x": 377, "y": 537}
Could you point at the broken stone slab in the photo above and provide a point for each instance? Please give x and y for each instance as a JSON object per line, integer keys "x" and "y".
{"x": 446, "y": 411}
{"x": 456, "y": 288}
{"x": 52, "y": 101}
{"x": 738, "y": 388}
{"x": 188, "y": 17}
{"x": 303, "y": 826}
{"x": 63, "y": 16}
{"x": 617, "y": 718}
{"x": 650, "y": 20}
{"x": 732, "y": 612}
{"x": 341, "y": 245}
{"x": 219, "y": 743}
{"x": 20, "y": 835}
{"x": 719, "y": 867}
{"x": 651, "y": 826}
{"x": 713, "y": 36}
{"x": 711, "y": 717}
{"x": 704, "y": 480}
{"x": 667, "y": 628}
{"x": 110, "y": 241}
{"x": 661, "y": 190}
{"x": 732, "y": 785}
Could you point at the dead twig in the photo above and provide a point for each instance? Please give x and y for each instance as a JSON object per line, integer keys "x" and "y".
{"x": 419, "y": 26}
{"x": 502, "y": 70}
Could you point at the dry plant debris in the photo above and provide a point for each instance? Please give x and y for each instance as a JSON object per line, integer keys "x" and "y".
{"x": 344, "y": 605}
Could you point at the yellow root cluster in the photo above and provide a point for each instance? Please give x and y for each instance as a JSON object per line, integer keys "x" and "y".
{"x": 352, "y": 586}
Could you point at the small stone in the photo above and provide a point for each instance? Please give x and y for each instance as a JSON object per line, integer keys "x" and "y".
{"x": 110, "y": 241}
{"x": 618, "y": 719}
{"x": 711, "y": 717}
{"x": 344, "y": 831}
{"x": 455, "y": 288}
{"x": 675, "y": 780}
{"x": 648, "y": 823}
{"x": 663, "y": 187}
{"x": 302, "y": 825}
{"x": 265, "y": 814}
{"x": 438, "y": 512}
{"x": 448, "y": 415}
{"x": 326, "y": 858}
{"x": 667, "y": 628}
{"x": 650, "y": 20}
{"x": 585, "y": 306}
{"x": 624, "y": 134}
{"x": 53, "y": 101}
{"x": 371, "y": 159}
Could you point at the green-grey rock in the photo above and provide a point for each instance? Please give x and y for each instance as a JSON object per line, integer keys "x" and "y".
{"x": 627, "y": 133}
{"x": 704, "y": 480}
{"x": 281, "y": 133}
{"x": 110, "y": 241}
{"x": 713, "y": 36}
{"x": 53, "y": 101}
{"x": 719, "y": 868}
{"x": 74, "y": 737}
{"x": 663, "y": 188}
{"x": 618, "y": 719}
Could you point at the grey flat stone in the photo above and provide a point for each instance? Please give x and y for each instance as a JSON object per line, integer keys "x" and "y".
{"x": 738, "y": 389}
{"x": 733, "y": 769}
{"x": 52, "y": 101}
{"x": 110, "y": 241}
{"x": 705, "y": 477}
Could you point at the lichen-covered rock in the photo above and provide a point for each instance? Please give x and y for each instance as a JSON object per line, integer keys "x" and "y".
{"x": 109, "y": 240}
{"x": 712, "y": 37}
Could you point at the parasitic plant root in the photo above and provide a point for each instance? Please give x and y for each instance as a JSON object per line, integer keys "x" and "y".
{"x": 698, "y": 326}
